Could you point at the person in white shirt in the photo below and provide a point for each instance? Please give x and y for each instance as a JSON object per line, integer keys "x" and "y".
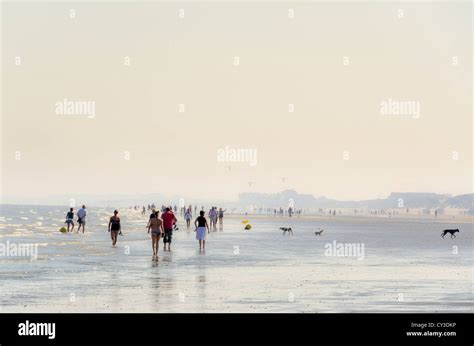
{"x": 81, "y": 219}
{"x": 213, "y": 217}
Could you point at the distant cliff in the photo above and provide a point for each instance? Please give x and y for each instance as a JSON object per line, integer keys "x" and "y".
{"x": 394, "y": 200}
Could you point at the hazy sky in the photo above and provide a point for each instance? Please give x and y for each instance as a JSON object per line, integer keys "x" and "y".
{"x": 302, "y": 84}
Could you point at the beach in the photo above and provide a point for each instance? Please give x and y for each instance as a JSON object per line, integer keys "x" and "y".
{"x": 397, "y": 265}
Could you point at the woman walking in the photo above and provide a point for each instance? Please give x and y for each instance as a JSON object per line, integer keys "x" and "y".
{"x": 156, "y": 226}
{"x": 114, "y": 227}
{"x": 201, "y": 227}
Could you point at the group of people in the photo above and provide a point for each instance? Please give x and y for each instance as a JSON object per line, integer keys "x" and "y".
{"x": 81, "y": 219}
{"x": 163, "y": 227}
{"x": 159, "y": 226}
{"x": 215, "y": 215}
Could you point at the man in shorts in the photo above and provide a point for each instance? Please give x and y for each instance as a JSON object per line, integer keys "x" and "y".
{"x": 81, "y": 219}
{"x": 169, "y": 219}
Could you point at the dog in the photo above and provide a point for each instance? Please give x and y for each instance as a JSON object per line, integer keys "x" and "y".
{"x": 287, "y": 229}
{"x": 319, "y": 232}
{"x": 452, "y": 231}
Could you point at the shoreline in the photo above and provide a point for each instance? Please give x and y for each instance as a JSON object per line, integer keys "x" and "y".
{"x": 342, "y": 217}
{"x": 401, "y": 265}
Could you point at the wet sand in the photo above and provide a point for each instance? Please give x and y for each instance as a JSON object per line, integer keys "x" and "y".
{"x": 406, "y": 267}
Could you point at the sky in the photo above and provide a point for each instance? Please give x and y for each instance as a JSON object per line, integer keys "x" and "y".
{"x": 297, "y": 86}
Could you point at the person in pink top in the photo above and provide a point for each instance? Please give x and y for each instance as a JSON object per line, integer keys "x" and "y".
{"x": 168, "y": 221}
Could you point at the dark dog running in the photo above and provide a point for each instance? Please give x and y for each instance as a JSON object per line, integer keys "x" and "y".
{"x": 319, "y": 232}
{"x": 286, "y": 229}
{"x": 452, "y": 231}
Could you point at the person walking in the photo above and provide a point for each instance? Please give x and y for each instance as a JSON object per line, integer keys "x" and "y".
{"x": 212, "y": 217}
{"x": 201, "y": 227}
{"x": 169, "y": 219}
{"x": 81, "y": 219}
{"x": 221, "y": 218}
{"x": 188, "y": 216}
{"x": 156, "y": 226}
{"x": 70, "y": 219}
{"x": 114, "y": 227}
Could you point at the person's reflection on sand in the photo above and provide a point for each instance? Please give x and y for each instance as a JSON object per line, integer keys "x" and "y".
{"x": 115, "y": 285}
{"x": 201, "y": 290}
{"x": 168, "y": 257}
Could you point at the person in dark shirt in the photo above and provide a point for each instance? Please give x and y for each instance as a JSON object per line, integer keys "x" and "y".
{"x": 114, "y": 227}
{"x": 156, "y": 226}
{"x": 70, "y": 219}
{"x": 221, "y": 218}
{"x": 201, "y": 227}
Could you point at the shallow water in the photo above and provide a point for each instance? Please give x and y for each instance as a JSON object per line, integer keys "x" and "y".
{"x": 405, "y": 266}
